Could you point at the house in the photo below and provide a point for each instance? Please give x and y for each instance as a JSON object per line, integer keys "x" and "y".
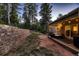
{"x": 67, "y": 25}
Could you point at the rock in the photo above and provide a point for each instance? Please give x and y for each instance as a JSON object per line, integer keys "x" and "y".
{"x": 38, "y": 47}
{"x": 2, "y": 34}
{"x": 8, "y": 33}
{"x": 11, "y": 38}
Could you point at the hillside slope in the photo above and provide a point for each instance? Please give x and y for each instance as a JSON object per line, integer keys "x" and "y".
{"x": 18, "y": 42}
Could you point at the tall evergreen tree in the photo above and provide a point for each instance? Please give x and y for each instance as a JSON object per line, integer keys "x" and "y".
{"x": 13, "y": 14}
{"x": 29, "y": 13}
{"x": 3, "y": 13}
{"x": 8, "y": 13}
{"x": 26, "y": 16}
{"x": 45, "y": 13}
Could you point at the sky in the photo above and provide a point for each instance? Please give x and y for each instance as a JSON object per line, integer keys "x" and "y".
{"x": 57, "y": 8}
{"x": 62, "y": 8}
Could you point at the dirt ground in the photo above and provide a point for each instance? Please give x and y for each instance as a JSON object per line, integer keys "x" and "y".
{"x": 54, "y": 47}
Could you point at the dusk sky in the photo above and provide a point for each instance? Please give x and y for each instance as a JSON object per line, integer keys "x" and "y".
{"x": 62, "y": 8}
{"x": 59, "y": 8}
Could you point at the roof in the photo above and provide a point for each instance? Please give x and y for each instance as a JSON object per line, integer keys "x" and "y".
{"x": 75, "y": 11}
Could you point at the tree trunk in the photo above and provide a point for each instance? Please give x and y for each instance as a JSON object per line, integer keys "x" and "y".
{"x": 9, "y": 10}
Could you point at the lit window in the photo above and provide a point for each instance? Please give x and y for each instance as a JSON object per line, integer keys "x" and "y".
{"x": 59, "y": 26}
{"x": 75, "y": 28}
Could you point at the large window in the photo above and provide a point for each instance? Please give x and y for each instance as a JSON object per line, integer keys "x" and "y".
{"x": 75, "y": 29}
{"x": 59, "y": 27}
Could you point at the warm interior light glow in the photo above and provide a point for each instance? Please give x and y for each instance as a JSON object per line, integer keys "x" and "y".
{"x": 67, "y": 27}
{"x": 58, "y": 27}
{"x": 69, "y": 21}
{"x": 75, "y": 28}
{"x": 76, "y": 19}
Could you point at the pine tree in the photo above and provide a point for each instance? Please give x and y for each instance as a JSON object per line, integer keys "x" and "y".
{"x": 3, "y": 14}
{"x": 26, "y": 16}
{"x": 13, "y": 15}
{"x": 45, "y": 13}
{"x": 8, "y": 14}
{"x": 29, "y": 14}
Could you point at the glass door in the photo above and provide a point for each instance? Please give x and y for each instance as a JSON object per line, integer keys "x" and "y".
{"x": 68, "y": 30}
